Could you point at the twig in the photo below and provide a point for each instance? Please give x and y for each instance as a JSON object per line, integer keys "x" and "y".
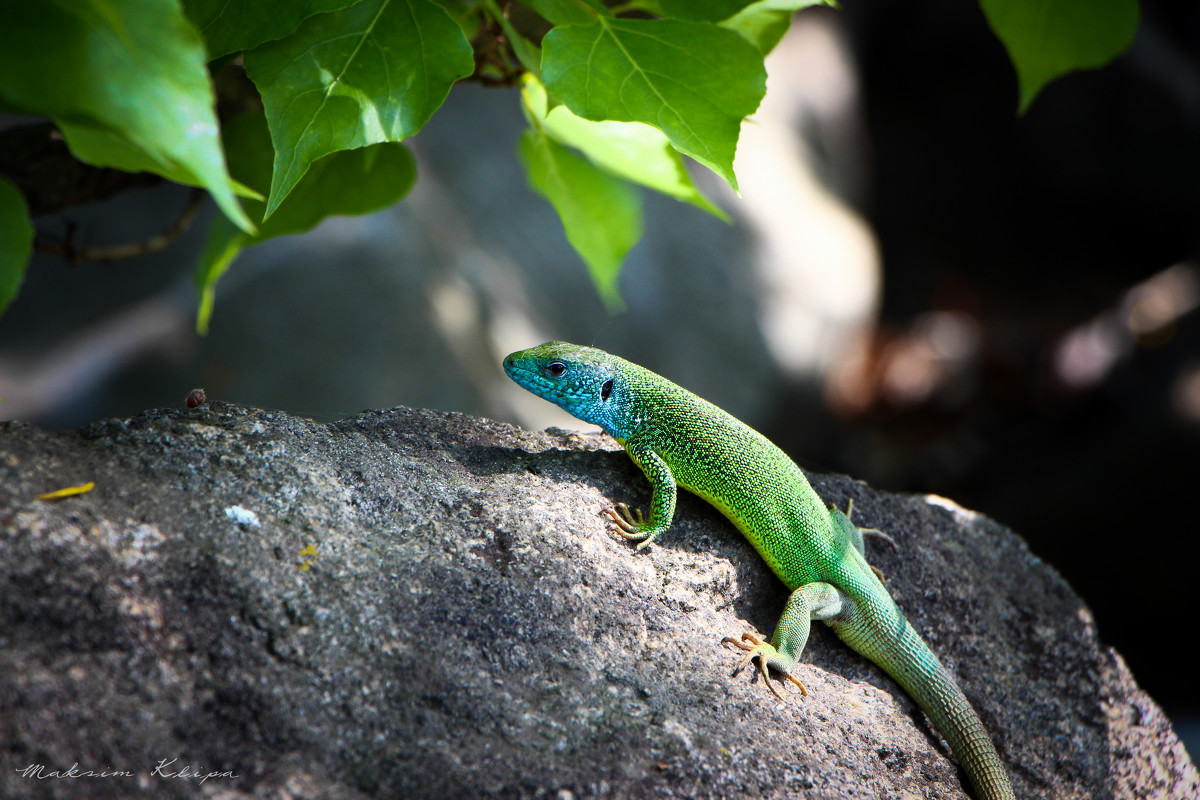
{"x": 157, "y": 243}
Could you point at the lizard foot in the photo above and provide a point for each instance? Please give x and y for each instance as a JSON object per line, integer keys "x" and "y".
{"x": 631, "y": 525}
{"x": 628, "y": 522}
{"x": 755, "y": 647}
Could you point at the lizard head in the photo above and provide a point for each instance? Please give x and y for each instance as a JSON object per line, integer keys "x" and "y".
{"x": 581, "y": 380}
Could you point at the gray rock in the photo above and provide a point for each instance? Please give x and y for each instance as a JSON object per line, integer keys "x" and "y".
{"x": 412, "y": 604}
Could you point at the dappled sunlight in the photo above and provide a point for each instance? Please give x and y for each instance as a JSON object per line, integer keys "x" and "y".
{"x": 1146, "y": 316}
{"x": 816, "y": 260}
{"x": 940, "y": 356}
{"x": 933, "y": 358}
{"x": 1186, "y": 394}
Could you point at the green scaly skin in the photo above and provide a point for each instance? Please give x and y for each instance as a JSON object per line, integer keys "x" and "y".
{"x": 679, "y": 439}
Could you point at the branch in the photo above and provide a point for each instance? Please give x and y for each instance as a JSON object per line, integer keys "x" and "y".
{"x": 36, "y": 159}
{"x": 161, "y": 241}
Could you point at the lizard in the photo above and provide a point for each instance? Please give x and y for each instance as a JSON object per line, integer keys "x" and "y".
{"x": 679, "y": 439}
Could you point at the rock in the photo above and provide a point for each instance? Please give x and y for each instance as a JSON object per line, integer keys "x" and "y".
{"x": 420, "y": 605}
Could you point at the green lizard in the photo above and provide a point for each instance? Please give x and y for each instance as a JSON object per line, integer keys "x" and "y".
{"x": 678, "y": 439}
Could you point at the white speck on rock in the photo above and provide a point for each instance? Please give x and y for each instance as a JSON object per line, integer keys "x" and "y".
{"x": 242, "y": 516}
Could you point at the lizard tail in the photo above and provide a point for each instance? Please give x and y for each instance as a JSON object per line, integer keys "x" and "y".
{"x": 888, "y": 639}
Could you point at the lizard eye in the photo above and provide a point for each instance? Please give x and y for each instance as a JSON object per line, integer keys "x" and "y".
{"x": 606, "y": 389}
{"x": 556, "y": 369}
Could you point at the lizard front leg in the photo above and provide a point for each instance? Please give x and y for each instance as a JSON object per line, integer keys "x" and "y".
{"x": 631, "y": 525}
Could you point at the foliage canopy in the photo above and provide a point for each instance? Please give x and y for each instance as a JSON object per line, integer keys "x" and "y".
{"x": 615, "y": 95}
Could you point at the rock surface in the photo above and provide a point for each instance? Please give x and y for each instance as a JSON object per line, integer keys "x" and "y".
{"x": 411, "y": 604}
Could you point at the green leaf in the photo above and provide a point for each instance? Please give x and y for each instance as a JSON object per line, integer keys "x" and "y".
{"x": 230, "y": 26}
{"x": 599, "y": 6}
{"x": 96, "y": 145}
{"x": 561, "y": 12}
{"x": 348, "y": 182}
{"x": 601, "y": 215}
{"x": 629, "y": 150}
{"x": 1049, "y": 38}
{"x": 528, "y": 53}
{"x": 698, "y": 10}
{"x": 373, "y": 73}
{"x": 693, "y": 81}
{"x": 223, "y": 245}
{"x": 126, "y": 82}
{"x": 16, "y": 242}
{"x": 765, "y": 22}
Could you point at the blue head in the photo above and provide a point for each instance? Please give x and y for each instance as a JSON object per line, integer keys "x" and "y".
{"x": 584, "y": 381}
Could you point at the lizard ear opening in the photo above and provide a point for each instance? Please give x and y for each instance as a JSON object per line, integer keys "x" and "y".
{"x": 606, "y": 389}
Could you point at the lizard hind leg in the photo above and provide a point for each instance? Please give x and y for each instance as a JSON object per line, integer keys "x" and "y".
{"x": 811, "y": 601}
{"x": 858, "y": 536}
{"x": 854, "y": 534}
{"x": 755, "y": 647}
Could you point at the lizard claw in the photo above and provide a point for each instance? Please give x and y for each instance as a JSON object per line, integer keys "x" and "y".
{"x": 755, "y": 647}
{"x": 628, "y": 522}
{"x": 631, "y": 525}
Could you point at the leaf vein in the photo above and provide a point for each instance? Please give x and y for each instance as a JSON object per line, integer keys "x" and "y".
{"x": 362, "y": 37}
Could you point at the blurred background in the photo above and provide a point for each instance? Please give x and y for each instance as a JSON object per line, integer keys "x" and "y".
{"x": 918, "y": 289}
